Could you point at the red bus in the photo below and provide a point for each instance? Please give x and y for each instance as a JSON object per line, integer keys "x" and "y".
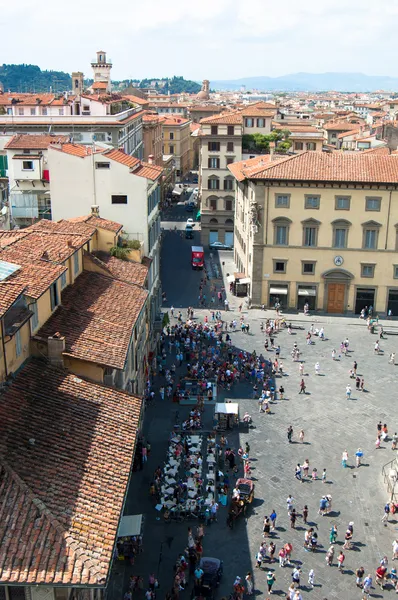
{"x": 197, "y": 257}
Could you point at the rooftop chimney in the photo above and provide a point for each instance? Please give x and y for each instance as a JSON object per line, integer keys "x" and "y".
{"x": 55, "y": 349}
{"x": 95, "y": 210}
{"x": 271, "y": 149}
{"x": 150, "y": 159}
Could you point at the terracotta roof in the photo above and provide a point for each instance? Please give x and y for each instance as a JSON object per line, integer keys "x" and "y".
{"x": 319, "y": 166}
{"x": 9, "y": 293}
{"x": 66, "y": 453}
{"x": 173, "y": 121}
{"x": 36, "y": 275}
{"x": 297, "y": 128}
{"x": 136, "y": 99}
{"x": 254, "y": 111}
{"x": 8, "y": 237}
{"x": 79, "y": 150}
{"x": 206, "y": 108}
{"x": 125, "y": 270}
{"x": 96, "y": 222}
{"x": 25, "y": 141}
{"x": 151, "y": 118}
{"x": 149, "y": 171}
{"x": 97, "y": 316}
{"x": 227, "y": 118}
{"x": 380, "y": 150}
{"x": 99, "y": 85}
{"x": 194, "y": 126}
{"x": 341, "y": 126}
{"x": 348, "y": 133}
{"x": 122, "y": 157}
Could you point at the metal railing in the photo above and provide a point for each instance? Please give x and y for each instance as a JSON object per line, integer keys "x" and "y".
{"x": 391, "y": 482}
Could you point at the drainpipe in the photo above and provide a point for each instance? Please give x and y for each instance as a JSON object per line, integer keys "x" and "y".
{"x": 388, "y": 220}
{"x": 266, "y": 218}
{"x": 4, "y": 348}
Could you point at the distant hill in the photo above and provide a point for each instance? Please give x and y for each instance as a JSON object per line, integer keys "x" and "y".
{"x": 30, "y": 78}
{"x": 312, "y": 82}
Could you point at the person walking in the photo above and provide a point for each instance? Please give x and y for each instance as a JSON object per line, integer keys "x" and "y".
{"x": 272, "y": 518}
{"x": 289, "y": 503}
{"x": 270, "y": 581}
{"x": 297, "y": 473}
{"x": 302, "y": 387}
{"x": 249, "y": 583}
{"x": 344, "y": 458}
{"x": 333, "y": 354}
{"x": 359, "y": 573}
{"x": 386, "y": 514}
{"x": 358, "y": 456}
{"x": 289, "y": 434}
{"x": 301, "y": 436}
{"x": 305, "y": 514}
{"x": 282, "y": 557}
{"x": 301, "y": 369}
{"x": 348, "y": 391}
{"x": 311, "y": 578}
{"x": 329, "y": 556}
{"x": 324, "y": 476}
{"x": 333, "y": 534}
{"x": 306, "y": 466}
{"x": 296, "y": 576}
{"x": 317, "y": 368}
{"x": 340, "y": 560}
{"x": 293, "y": 517}
{"x": 367, "y": 583}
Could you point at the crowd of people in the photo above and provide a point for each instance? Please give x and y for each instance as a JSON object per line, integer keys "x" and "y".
{"x": 205, "y": 350}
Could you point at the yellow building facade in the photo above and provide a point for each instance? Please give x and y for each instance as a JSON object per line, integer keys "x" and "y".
{"x": 319, "y": 229}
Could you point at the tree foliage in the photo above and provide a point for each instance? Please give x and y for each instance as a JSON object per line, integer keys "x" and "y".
{"x": 175, "y": 85}
{"x": 30, "y": 78}
{"x": 258, "y": 142}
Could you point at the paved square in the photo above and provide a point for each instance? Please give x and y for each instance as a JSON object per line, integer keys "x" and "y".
{"x": 331, "y": 424}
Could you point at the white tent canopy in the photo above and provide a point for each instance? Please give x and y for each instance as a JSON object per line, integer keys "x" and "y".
{"x": 227, "y": 408}
{"x": 130, "y": 525}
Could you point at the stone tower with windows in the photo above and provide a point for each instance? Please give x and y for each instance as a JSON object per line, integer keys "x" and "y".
{"x": 102, "y": 69}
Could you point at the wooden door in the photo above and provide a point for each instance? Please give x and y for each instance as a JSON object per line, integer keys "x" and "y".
{"x": 336, "y": 295}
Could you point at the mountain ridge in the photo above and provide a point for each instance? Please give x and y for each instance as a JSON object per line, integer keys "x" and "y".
{"x": 312, "y": 82}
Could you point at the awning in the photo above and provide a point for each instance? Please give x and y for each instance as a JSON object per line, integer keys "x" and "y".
{"x": 244, "y": 280}
{"x": 282, "y": 291}
{"x": 227, "y": 408}
{"x": 130, "y": 525}
{"x": 177, "y": 192}
{"x": 230, "y": 279}
{"x": 306, "y": 292}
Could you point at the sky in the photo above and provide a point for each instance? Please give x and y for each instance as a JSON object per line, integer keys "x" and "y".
{"x": 206, "y": 39}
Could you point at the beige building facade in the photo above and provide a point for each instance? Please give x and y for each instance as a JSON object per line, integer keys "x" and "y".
{"x": 152, "y": 136}
{"x": 319, "y": 229}
{"x": 176, "y": 142}
{"x": 221, "y": 145}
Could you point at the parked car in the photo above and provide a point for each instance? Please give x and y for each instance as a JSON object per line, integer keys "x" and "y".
{"x": 189, "y": 207}
{"x": 220, "y": 246}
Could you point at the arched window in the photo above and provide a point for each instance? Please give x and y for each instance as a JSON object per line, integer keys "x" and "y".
{"x": 228, "y": 183}
{"x": 229, "y": 222}
{"x": 213, "y": 183}
{"x": 281, "y": 231}
{"x": 340, "y": 232}
{"x": 212, "y": 202}
{"x": 213, "y": 222}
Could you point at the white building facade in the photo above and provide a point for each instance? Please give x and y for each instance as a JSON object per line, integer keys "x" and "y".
{"x": 125, "y": 190}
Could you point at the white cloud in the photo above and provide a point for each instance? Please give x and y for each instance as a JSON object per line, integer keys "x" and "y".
{"x": 214, "y": 38}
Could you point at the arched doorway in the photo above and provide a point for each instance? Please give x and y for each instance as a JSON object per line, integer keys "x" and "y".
{"x": 337, "y": 282}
